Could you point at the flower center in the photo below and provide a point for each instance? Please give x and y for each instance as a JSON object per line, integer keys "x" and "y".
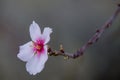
{"x": 38, "y": 46}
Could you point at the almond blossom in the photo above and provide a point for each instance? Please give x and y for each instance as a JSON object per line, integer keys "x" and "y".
{"x": 34, "y": 52}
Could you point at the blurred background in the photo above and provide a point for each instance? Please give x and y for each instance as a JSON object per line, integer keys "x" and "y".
{"x": 73, "y": 23}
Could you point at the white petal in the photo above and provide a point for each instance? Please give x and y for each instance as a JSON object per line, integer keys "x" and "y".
{"x": 25, "y": 51}
{"x": 46, "y": 34}
{"x": 35, "y": 31}
{"x": 44, "y": 56}
{"x": 36, "y": 63}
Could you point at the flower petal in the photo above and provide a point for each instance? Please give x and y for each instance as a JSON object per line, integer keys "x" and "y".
{"x": 46, "y": 34}
{"x": 35, "y": 31}
{"x": 43, "y": 56}
{"x": 25, "y": 52}
{"x": 36, "y": 63}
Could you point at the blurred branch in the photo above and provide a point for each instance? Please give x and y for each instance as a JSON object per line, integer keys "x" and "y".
{"x": 92, "y": 40}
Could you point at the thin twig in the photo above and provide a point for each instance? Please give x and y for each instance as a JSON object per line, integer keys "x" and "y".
{"x": 92, "y": 40}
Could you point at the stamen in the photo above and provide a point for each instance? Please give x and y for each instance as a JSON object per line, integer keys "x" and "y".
{"x": 38, "y": 47}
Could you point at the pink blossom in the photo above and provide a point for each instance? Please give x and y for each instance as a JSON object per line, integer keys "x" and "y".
{"x": 34, "y": 52}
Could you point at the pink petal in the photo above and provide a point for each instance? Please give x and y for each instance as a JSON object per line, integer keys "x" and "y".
{"x": 35, "y": 31}
{"x": 36, "y": 63}
{"x": 25, "y": 52}
{"x": 46, "y": 34}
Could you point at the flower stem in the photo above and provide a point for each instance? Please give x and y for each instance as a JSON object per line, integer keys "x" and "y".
{"x": 92, "y": 40}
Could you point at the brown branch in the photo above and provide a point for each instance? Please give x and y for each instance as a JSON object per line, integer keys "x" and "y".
{"x": 92, "y": 40}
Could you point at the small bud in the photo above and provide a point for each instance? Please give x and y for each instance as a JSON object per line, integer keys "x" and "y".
{"x": 61, "y": 48}
{"x": 49, "y": 54}
{"x": 66, "y": 57}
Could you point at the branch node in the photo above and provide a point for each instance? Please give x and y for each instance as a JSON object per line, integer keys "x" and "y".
{"x": 49, "y": 49}
{"x": 55, "y": 53}
{"x": 108, "y": 25}
{"x": 96, "y": 39}
{"x": 97, "y": 30}
{"x": 90, "y": 42}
